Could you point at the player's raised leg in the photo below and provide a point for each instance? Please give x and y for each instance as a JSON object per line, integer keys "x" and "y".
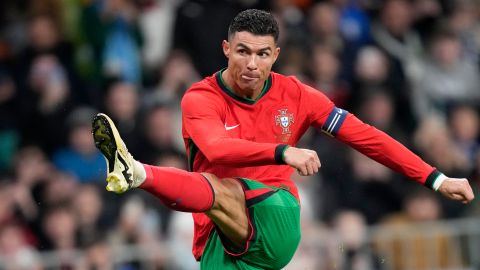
{"x": 222, "y": 200}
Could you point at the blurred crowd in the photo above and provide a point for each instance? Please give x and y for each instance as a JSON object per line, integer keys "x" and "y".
{"x": 408, "y": 67}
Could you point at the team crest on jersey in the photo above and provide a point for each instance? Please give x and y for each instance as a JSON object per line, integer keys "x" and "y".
{"x": 284, "y": 120}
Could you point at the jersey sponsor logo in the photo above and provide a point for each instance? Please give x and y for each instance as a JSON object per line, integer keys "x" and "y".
{"x": 230, "y": 127}
{"x": 284, "y": 120}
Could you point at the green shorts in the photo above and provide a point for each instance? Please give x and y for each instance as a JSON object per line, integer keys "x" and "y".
{"x": 274, "y": 219}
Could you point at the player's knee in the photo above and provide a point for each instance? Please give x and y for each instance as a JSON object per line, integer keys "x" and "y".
{"x": 228, "y": 191}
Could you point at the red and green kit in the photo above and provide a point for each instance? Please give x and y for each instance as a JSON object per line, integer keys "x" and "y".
{"x": 232, "y": 136}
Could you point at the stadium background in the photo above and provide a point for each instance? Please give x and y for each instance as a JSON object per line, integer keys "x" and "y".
{"x": 411, "y": 68}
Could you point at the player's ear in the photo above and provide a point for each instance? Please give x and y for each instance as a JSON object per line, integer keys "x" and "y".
{"x": 276, "y": 52}
{"x": 226, "y": 48}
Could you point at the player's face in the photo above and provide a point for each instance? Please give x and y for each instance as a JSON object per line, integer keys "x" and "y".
{"x": 250, "y": 60}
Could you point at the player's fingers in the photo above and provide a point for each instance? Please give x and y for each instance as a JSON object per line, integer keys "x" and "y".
{"x": 302, "y": 170}
{"x": 317, "y": 161}
{"x": 310, "y": 168}
{"x": 315, "y": 168}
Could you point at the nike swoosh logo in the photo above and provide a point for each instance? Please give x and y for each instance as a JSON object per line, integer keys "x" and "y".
{"x": 125, "y": 172}
{"x": 231, "y": 127}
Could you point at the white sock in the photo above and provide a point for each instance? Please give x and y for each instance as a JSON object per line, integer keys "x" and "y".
{"x": 139, "y": 173}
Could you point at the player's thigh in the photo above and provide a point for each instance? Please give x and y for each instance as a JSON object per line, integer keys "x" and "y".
{"x": 274, "y": 220}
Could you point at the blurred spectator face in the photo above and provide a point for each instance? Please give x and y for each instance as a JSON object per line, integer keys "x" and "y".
{"x": 43, "y": 33}
{"x": 17, "y": 253}
{"x": 325, "y": 64}
{"x": 159, "y": 126}
{"x": 378, "y": 110}
{"x": 371, "y": 65}
{"x": 48, "y": 78}
{"x": 122, "y": 101}
{"x": 446, "y": 50}
{"x": 60, "y": 189}
{"x": 324, "y": 19}
{"x": 177, "y": 74}
{"x": 422, "y": 207}
{"x": 60, "y": 225}
{"x": 131, "y": 216}
{"x": 465, "y": 123}
{"x": 99, "y": 256}
{"x": 434, "y": 140}
{"x": 465, "y": 14}
{"x": 87, "y": 205}
{"x": 11, "y": 240}
{"x": 81, "y": 140}
{"x": 46, "y": 72}
{"x": 31, "y": 165}
{"x": 351, "y": 228}
{"x": 397, "y": 16}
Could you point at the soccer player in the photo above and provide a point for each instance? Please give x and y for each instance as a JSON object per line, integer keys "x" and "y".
{"x": 240, "y": 127}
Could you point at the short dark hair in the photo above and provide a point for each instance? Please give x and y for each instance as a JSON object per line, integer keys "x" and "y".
{"x": 255, "y": 21}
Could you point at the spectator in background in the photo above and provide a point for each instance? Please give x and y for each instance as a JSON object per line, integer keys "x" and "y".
{"x": 371, "y": 71}
{"x": 325, "y": 70}
{"x": 45, "y": 88}
{"x": 428, "y": 247}
{"x": 18, "y": 254}
{"x": 98, "y": 255}
{"x": 323, "y": 25}
{"x": 59, "y": 228}
{"x": 464, "y": 122}
{"x": 156, "y": 20}
{"x": 88, "y": 206}
{"x": 434, "y": 141}
{"x": 394, "y": 35}
{"x": 32, "y": 169}
{"x": 426, "y": 14}
{"x": 351, "y": 228}
{"x": 446, "y": 77}
{"x": 159, "y": 132}
{"x": 80, "y": 158}
{"x": 111, "y": 27}
{"x": 9, "y": 126}
{"x": 122, "y": 102}
{"x": 176, "y": 76}
{"x": 464, "y": 20}
{"x": 354, "y": 27}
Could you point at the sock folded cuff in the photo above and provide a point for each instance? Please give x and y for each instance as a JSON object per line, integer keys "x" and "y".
{"x": 149, "y": 179}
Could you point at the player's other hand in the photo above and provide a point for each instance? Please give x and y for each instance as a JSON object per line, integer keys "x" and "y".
{"x": 457, "y": 189}
{"x": 306, "y": 161}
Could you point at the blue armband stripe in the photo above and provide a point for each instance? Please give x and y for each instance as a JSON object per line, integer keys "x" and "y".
{"x": 334, "y": 121}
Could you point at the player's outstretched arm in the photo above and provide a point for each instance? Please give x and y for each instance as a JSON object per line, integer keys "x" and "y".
{"x": 306, "y": 161}
{"x": 457, "y": 189}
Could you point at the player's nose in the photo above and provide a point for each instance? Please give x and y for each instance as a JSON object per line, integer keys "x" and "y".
{"x": 252, "y": 63}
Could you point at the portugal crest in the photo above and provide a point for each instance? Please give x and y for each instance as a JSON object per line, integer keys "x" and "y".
{"x": 284, "y": 120}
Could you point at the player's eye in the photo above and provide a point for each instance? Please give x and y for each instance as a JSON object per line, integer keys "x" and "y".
{"x": 242, "y": 51}
{"x": 263, "y": 54}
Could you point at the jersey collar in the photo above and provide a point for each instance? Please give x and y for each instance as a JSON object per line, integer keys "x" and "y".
{"x": 231, "y": 93}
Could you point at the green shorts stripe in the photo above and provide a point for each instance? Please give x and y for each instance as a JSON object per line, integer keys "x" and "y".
{"x": 274, "y": 217}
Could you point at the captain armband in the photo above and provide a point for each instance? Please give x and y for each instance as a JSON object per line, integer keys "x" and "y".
{"x": 334, "y": 121}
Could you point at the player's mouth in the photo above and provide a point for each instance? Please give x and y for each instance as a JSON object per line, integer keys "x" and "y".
{"x": 249, "y": 77}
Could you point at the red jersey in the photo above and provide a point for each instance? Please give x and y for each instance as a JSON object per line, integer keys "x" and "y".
{"x": 231, "y": 136}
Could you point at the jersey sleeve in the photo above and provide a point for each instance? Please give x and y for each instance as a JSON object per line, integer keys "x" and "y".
{"x": 368, "y": 140}
{"x": 203, "y": 122}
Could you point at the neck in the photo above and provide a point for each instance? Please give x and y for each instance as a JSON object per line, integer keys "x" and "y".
{"x": 245, "y": 93}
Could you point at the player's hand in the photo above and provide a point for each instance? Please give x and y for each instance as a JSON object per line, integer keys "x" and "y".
{"x": 306, "y": 161}
{"x": 457, "y": 189}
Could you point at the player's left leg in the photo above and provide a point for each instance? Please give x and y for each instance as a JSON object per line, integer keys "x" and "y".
{"x": 222, "y": 200}
{"x": 274, "y": 234}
